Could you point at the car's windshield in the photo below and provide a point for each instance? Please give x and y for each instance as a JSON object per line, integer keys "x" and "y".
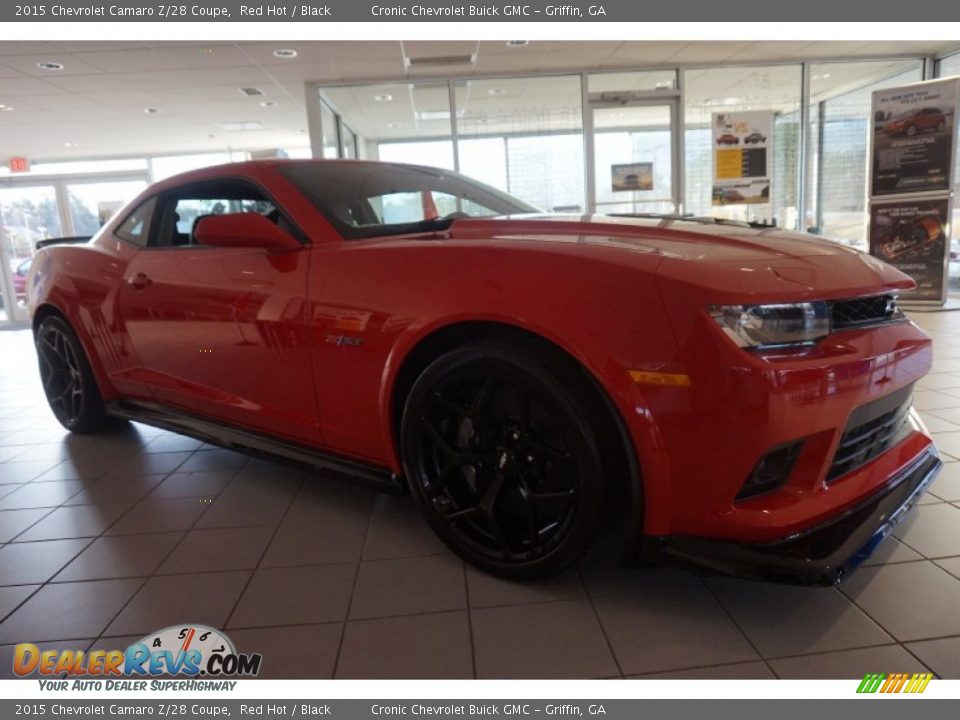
{"x": 369, "y": 199}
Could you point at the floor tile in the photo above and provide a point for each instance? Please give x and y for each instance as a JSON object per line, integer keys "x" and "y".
{"x": 39, "y": 495}
{"x": 951, "y": 565}
{"x": 283, "y": 650}
{"x": 105, "y": 491}
{"x": 932, "y": 530}
{"x": 218, "y": 549}
{"x": 739, "y": 671}
{"x": 273, "y": 478}
{"x": 947, "y": 484}
{"x": 430, "y": 646}
{"x": 409, "y": 586}
{"x": 941, "y": 656}
{"x": 245, "y": 509}
{"x": 68, "y": 610}
{"x": 172, "y": 443}
{"x": 75, "y": 521}
{"x": 328, "y": 528}
{"x": 166, "y": 600}
{"x": 892, "y": 551}
{"x": 36, "y": 562}
{"x": 208, "y": 460}
{"x": 847, "y": 664}
{"x": 150, "y": 464}
{"x": 194, "y": 484}
{"x": 151, "y": 515}
{"x": 22, "y": 472}
{"x": 487, "y": 590}
{"x": 120, "y": 556}
{"x": 674, "y": 623}
{"x": 787, "y": 620}
{"x": 11, "y": 597}
{"x": 546, "y": 640}
{"x": 14, "y": 522}
{"x": 284, "y": 596}
{"x": 397, "y": 535}
{"x": 911, "y": 601}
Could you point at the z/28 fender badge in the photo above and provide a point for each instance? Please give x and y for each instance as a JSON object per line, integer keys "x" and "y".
{"x": 344, "y": 340}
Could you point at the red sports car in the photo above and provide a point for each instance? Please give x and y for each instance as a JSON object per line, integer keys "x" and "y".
{"x": 735, "y": 397}
{"x": 913, "y": 121}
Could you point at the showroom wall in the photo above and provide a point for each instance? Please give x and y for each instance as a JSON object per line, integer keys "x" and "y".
{"x": 551, "y": 140}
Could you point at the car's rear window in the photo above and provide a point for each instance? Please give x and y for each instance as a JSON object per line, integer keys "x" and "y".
{"x": 370, "y": 199}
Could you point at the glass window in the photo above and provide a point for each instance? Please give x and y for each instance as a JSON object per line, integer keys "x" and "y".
{"x": 183, "y": 209}
{"x": 28, "y": 214}
{"x": 398, "y": 122}
{"x": 81, "y": 166}
{"x": 618, "y": 82}
{"x": 840, "y": 99}
{"x": 349, "y": 140}
{"x": 367, "y": 199}
{"x": 136, "y": 228}
{"x": 524, "y": 136}
{"x": 328, "y": 132}
{"x": 92, "y": 205}
{"x": 949, "y": 65}
{"x": 775, "y": 88}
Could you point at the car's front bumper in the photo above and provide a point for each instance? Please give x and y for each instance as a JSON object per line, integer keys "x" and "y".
{"x": 823, "y": 554}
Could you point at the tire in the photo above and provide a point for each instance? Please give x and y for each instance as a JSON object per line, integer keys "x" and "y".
{"x": 911, "y": 131}
{"x": 68, "y": 381}
{"x": 502, "y": 458}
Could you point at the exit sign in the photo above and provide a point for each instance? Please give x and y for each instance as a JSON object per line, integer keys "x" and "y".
{"x": 19, "y": 165}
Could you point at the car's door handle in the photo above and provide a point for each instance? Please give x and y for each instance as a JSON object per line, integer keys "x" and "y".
{"x": 139, "y": 281}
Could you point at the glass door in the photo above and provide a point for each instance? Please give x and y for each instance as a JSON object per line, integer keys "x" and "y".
{"x": 92, "y": 204}
{"x": 28, "y": 213}
{"x": 635, "y": 149}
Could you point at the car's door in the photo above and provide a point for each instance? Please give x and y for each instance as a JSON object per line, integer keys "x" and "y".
{"x": 220, "y": 331}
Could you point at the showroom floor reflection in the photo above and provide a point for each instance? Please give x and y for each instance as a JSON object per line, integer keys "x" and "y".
{"x": 105, "y": 539}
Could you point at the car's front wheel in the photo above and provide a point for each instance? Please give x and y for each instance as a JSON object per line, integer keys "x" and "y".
{"x": 68, "y": 381}
{"x": 501, "y": 456}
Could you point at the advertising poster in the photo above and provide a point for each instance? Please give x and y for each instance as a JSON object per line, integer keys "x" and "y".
{"x": 913, "y": 130}
{"x": 911, "y": 235}
{"x": 741, "y": 144}
{"x": 632, "y": 176}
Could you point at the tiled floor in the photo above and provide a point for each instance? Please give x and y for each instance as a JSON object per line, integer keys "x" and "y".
{"x": 104, "y": 539}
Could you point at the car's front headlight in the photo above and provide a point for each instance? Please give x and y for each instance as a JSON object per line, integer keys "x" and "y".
{"x": 761, "y": 327}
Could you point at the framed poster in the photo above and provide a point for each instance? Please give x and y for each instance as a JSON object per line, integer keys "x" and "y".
{"x": 913, "y": 137}
{"x": 741, "y": 143}
{"x": 631, "y": 176}
{"x": 911, "y": 235}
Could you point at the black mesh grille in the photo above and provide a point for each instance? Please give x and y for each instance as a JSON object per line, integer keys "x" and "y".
{"x": 871, "y": 430}
{"x": 863, "y": 311}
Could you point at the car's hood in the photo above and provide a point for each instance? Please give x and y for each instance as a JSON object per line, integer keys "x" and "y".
{"x": 677, "y": 239}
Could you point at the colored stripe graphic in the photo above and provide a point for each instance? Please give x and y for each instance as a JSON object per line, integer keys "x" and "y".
{"x": 894, "y": 683}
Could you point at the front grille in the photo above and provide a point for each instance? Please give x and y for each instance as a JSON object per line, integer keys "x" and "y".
{"x": 872, "y": 429}
{"x": 859, "y": 312}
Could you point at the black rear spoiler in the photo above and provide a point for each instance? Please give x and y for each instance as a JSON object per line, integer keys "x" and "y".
{"x": 75, "y": 240}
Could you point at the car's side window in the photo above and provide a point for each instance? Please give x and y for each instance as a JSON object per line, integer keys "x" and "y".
{"x": 182, "y": 209}
{"x": 136, "y": 228}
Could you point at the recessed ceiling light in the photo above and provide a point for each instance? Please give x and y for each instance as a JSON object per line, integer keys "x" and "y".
{"x": 151, "y": 111}
{"x": 394, "y": 125}
{"x": 496, "y": 91}
{"x": 285, "y": 53}
{"x": 50, "y": 66}
{"x": 268, "y": 103}
{"x": 385, "y": 97}
{"x": 826, "y": 75}
{"x": 211, "y": 135}
{"x": 5, "y": 108}
{"x": 517, "y": 43}
{"x": 71, "y": 144}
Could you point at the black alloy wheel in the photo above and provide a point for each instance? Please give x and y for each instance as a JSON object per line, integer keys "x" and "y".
{"x": 67, "y": 379}
{"x": 501, "y": 457}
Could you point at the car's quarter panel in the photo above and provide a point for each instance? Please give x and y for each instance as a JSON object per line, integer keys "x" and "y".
{"x": 81, "y": 282}
{"x": 223, "y": 332}
{"x": 373, "y": 301}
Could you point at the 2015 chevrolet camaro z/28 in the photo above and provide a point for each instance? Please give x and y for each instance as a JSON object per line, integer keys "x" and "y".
{"x": 735, "y": 397}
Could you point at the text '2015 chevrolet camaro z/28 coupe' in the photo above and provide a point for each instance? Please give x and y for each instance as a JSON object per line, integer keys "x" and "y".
{"x": 734, "y": 397}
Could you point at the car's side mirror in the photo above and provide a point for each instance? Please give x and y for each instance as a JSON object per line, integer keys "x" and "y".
{"x": 249, "y": 230}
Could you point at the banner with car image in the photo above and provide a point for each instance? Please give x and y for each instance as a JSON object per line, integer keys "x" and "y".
{"x": 913, "y": 137}
{"x": 911, "y": 236}
{"x": 741, "y": 168}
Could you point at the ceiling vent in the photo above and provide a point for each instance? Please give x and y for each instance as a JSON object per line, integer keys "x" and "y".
{"x": 252, "y": 91}
{"x": 440, "y": 60}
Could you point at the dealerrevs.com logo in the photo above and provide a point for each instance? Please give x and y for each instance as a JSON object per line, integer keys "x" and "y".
{"x": 181, "y": 650}
{"x": 894, "y": 683}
